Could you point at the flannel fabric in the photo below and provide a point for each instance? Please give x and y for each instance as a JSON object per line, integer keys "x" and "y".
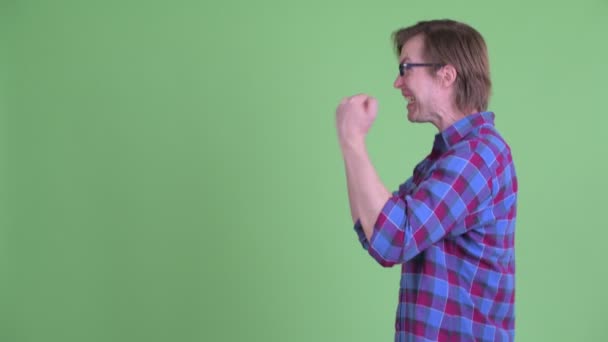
{"x": 451, "y": 226}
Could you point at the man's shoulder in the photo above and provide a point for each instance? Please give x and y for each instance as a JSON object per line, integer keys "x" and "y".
{"x": 484, "y": 141}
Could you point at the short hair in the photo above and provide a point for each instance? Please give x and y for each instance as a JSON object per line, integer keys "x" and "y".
{"x": 451, "y": 42}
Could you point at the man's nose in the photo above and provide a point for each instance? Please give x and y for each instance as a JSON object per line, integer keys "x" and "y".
{"x": 398, "y": 82}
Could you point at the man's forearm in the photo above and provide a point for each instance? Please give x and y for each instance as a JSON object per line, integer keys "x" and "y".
{"x": 352, "y": 200}
{"x": 367, "y": 194}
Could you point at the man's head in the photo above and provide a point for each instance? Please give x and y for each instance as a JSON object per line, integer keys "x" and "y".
{"x": 456, "y": 80}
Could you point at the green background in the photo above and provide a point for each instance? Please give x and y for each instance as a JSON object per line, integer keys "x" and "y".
{"x": 169, "y": 171}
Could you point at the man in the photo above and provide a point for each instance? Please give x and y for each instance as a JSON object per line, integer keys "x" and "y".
{"x": 451, "y": 225}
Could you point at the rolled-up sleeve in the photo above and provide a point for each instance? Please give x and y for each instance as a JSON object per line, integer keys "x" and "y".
{"x": 412, "y": 221}
{"x": 403, "y": 189}
{"x": 361, "y": 235}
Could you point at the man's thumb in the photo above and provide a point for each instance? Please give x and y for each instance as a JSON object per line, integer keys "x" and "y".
{"x": 371, "y": 105}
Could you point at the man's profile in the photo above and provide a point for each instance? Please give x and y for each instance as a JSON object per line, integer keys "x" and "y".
{"x": 451, "y": 224}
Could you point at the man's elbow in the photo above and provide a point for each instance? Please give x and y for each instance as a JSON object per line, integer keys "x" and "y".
{"x": 384, "y": 261}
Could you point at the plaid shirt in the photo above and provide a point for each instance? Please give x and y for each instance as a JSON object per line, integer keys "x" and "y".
{"x": 452, "y": 227}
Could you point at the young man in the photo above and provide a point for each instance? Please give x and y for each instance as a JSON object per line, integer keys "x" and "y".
{"x": 451, "y": 225}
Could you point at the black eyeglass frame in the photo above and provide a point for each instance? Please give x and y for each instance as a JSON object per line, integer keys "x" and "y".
{"x": 407, "y": 66}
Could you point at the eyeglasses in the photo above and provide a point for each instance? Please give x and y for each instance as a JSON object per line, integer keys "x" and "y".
{"x": 403, "y": 67}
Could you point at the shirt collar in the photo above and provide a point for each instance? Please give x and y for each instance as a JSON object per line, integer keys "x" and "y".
{"x": 459, "y": 129}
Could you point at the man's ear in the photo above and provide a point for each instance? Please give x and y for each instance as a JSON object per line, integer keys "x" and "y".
{"x": 447, "y": 75}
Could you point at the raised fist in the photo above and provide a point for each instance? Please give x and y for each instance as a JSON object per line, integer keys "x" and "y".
{"x": 354, "y": 117}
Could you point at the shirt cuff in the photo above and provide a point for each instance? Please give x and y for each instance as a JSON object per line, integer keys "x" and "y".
{"x": 386, "y": 243}
{"x": 361, "y": 234}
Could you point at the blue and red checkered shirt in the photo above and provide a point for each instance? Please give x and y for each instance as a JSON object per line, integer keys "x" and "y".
{"x": 451, "y": 226}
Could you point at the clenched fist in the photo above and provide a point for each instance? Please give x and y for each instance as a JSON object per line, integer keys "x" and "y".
{"x": 354, "y": 117}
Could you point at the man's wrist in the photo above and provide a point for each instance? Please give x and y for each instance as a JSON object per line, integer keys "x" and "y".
{"x": 353, "y": 146}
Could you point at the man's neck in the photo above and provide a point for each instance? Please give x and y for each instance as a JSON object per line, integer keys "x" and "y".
{"x": 444, "y": 118}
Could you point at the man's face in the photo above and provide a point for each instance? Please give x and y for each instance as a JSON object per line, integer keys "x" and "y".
{"x": 417, "y": 85}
